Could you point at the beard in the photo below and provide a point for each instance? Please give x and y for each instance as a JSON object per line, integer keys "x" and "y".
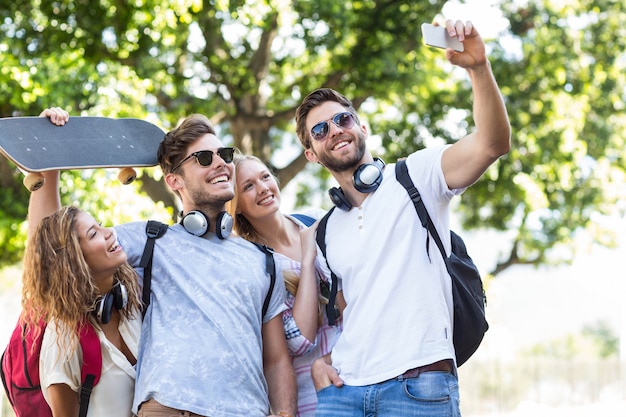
{"x": 207, "y": 201}
{"x": 349, "y": 163}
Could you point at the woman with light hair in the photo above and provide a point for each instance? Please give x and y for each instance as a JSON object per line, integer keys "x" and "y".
{"x": 75, "y": 275}
{"x": 257, "y": 218}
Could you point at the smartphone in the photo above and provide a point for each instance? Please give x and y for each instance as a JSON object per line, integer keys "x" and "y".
{"x": 438, "y": 37}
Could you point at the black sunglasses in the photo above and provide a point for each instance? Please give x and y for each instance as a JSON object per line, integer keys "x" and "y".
{"x": 344, "y": 120}
{"x": 205, "y": 158}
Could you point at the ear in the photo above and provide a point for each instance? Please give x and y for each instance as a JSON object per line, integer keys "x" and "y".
{"x": 174, "y": 181}
{"x": 310, "y": 155}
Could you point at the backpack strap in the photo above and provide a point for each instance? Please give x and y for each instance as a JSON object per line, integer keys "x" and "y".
{"x": 154, "y": 229}
{"x": 270, "y": 269}
{"x": 402, "y": 175}
{"x": 92, "y": 365}
{"x": 4, "y": 378}
{"x": 320, "y": 238}
{"x": 305, "y": 219}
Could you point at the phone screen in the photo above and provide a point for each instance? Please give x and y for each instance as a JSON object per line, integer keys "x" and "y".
{"x": 438, "y": 37}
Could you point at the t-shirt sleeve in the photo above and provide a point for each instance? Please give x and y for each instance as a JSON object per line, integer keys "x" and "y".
{"x": 427, "y": 173}
{"x": 58, "y": 366}
{"x": 132, "y": 236}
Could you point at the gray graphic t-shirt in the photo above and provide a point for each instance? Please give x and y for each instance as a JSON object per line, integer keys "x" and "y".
{"x": 201, "y": 347}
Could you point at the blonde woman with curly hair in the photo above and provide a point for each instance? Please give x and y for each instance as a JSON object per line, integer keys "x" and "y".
{"x": 76, "y": 274}
{"x": 257, "y": 217}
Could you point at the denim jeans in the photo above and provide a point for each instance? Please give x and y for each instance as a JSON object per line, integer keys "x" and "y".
{"x": 431, "y": 394}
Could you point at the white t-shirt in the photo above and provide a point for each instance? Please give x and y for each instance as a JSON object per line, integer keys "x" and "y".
{"x": 113, "y": 395}
{"x": 399, "y": 302}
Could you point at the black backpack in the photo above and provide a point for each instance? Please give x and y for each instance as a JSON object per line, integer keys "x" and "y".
{"x": 156, "y": 229}
{"x": 468, "y": 295}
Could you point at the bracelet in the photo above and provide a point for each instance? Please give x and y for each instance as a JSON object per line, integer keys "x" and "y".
{"x": 284, "y": 414}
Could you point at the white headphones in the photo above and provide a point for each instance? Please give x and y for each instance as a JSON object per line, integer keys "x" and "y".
{"x": 366, "y": 179}
{"x": 197, "y": 223}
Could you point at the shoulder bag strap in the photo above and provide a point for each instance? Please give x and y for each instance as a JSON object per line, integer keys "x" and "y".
{"x": 320, "y": 238}
{"x": 306, "y": 220}
{"x": 402, "y": 174}
{"x": 270, "y": 269}
{"x": 154, "y": 229}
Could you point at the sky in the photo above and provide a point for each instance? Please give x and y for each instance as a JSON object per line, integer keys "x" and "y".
{"x": 485, "y": 15}
{"x": 528, "y": 305}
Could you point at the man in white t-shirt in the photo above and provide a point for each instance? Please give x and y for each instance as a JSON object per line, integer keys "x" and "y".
{"x": 396, "y": 354}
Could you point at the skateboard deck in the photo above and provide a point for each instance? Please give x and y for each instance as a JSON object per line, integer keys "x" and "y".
{"x": 34, "y": 144}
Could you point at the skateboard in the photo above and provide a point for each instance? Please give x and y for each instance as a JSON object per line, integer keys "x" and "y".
{"x": 34, "y": 145}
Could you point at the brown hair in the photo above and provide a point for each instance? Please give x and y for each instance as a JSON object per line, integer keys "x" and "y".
{"x": 173, "y": 147}
{"x": 313, "y": 100}
{"x": 57, "y": 281}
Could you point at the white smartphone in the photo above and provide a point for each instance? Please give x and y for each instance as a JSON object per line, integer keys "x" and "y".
{"x": 438, "y": 37}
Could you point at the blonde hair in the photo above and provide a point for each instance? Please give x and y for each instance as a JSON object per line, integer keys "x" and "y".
{"x": 57, "y": 281}
{"x": 246, "y": 230}
{"x": 292, "y": 279}
{"x": 241, "y": 225}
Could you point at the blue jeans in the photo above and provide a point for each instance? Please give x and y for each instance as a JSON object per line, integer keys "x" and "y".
{"x": 431, "y": 394}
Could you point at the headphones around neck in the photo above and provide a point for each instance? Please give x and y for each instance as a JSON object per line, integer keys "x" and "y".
{"x": 117, "y": 297}
{"x": 366, "y": 179}
{"x": 197, "y": 223}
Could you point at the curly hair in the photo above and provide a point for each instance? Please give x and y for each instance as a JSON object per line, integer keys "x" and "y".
{"x": 57, "y": 281}
{"x": 314, "y": 99}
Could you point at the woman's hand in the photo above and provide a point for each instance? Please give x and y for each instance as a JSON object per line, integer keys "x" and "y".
{"x": 57, "y": 115}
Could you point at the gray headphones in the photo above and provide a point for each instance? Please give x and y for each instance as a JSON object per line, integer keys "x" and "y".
{"x": 197, "y": 223}
{"x": 366, "y": 179}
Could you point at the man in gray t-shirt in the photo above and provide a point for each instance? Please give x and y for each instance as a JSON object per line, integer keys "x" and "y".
{"x": 205, "y": 348}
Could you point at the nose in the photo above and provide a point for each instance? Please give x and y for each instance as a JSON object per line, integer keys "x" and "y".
{"x": 263, "y": 188}
{"x": 109, "y": 231}
{"x": 334, "y": 129}
{"x": 218, "y": 160}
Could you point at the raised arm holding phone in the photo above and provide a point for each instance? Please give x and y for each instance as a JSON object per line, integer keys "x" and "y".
{"x": 395, "y": 356}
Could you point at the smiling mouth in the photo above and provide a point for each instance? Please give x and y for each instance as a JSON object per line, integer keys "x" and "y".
{"x": 266, "y": 200}
{"x": 221, "y": 178}
{"x": 114, "y": 247}
{"x": 340, "y": 144}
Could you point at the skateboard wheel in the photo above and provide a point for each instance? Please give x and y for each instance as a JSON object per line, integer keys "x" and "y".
{"x": 33, "y": 181}
{"x": 127, "y": 175}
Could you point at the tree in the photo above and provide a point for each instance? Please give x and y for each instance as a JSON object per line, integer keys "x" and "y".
{"x": 244, "y": 63}
{"x": 565, "y": 90}
{"x": 247, "y": 64}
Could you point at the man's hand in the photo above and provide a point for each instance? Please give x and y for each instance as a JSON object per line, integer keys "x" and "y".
{"x": 57, "y": 115}
{"x": 474, "y": 54}
{"x": 324, "y": 374}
